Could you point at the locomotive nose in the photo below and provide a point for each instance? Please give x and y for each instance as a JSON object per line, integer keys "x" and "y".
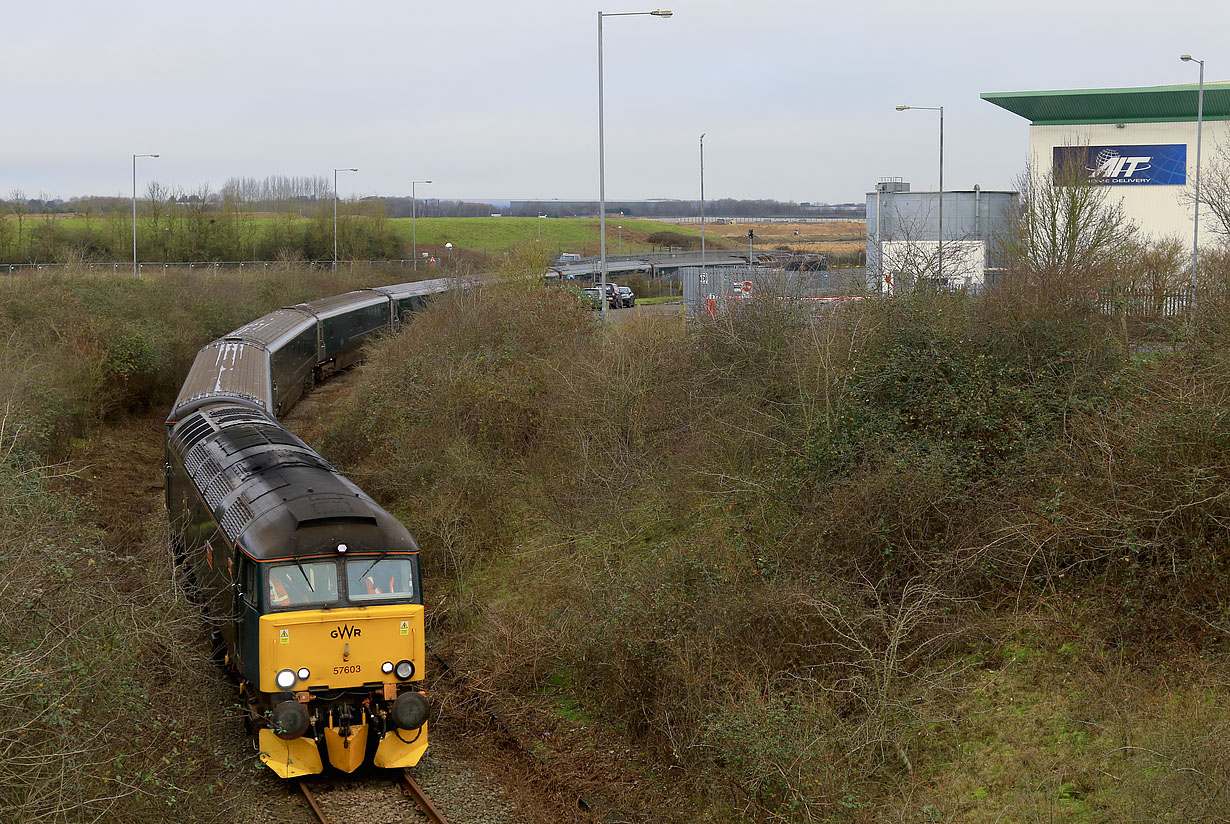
{"x": 410, "y": 711}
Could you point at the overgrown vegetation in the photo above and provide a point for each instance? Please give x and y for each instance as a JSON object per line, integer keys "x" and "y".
{"x": 108, "y": 709}
{"x": 931, "y": 558}
{"x": 81, "y": 348}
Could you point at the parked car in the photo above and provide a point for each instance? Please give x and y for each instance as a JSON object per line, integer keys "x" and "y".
{"x": 612, "y": 294}
{"x": 627, "y": 298}
{"x": 569, "y": 257}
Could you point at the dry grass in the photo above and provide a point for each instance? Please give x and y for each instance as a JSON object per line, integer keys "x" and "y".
{"x": 832, "y": 238}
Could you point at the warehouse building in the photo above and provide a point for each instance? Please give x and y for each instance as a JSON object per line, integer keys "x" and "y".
{"x": 1139, "y": 141}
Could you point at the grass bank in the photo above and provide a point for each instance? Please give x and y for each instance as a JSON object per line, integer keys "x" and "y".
{"x": 82, "y": 348}
{"x": 207, "y": 236}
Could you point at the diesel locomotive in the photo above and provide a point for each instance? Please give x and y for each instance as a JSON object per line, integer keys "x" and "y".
{"x": 314, "y": 590}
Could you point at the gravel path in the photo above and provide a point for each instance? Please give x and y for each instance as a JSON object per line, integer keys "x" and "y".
{"x": 462, "y": 793}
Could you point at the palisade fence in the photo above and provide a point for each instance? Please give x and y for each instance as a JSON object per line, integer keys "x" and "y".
{"x": 155, "y": 268}
{"x": 711, "y": 292}
{"x": 1144, "y": 303}
{"x": 716, "y": 291}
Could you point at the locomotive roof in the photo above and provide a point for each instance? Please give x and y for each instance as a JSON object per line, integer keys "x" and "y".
{"x": 227, "y": 369}
{"x": 271, "y": 494}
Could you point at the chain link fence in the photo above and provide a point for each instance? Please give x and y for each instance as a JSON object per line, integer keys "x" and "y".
{"x": 154, "y": 268}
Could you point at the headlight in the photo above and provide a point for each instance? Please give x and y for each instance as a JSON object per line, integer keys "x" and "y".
{"x": 286, "y": 679}
{"x": 304, "y": 674}
{"x": 386, "y": 667}
{"x": 404, "y": 670}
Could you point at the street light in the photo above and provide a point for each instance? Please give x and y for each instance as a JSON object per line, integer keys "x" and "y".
{"x": 414, "y": 232}
{"x": 134, "y": 210}
{"x": 702, "y": 199}
{"x": 335, "y": 171}
{"x": 448, "y": 247}
{"x": 540, "y": 217}
{"x": 1187, "y": 58}
{"x": 939, "y": 109}
{"x": 621, "y": 238}
{"x": 664, "y": 13}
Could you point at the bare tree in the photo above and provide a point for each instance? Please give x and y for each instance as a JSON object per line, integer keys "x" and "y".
{"x": 886, "y": 634}
{"x": 1069, "y": 230}
{"x": 20, "y": 207}
{"x": 1214, "y": 191}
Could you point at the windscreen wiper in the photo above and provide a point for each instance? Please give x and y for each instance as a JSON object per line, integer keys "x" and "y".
{"x": 379, "y": 558}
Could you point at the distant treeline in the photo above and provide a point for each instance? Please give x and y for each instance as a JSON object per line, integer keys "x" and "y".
{"x": 726, "y": 207}
{"x": 172, "y": 229}
{"x": 301, "y": 195}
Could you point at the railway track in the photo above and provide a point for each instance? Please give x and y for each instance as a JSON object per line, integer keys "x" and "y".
{"x": 409, "y": 787}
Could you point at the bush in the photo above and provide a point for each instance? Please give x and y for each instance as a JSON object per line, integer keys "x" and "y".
{"x": 108, "y": 706}
{"x": 84, "y": 348}
{"x": 673, "y": 239}
{"x": 762, "y": 549}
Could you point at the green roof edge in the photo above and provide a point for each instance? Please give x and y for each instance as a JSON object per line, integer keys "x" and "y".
{"x": 1182, "y": 87}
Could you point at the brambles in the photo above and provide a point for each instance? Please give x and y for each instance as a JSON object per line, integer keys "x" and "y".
{"x": 779, "y": 553}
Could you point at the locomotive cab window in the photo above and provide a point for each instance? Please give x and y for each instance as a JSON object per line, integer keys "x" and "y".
{"x": 292, "y": 585}
{"x": 379, "y": 579}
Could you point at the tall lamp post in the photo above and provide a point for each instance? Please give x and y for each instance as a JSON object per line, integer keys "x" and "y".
{"x": 602, "y": 143}
{"x": 335, "y": 171}
{"x": 414, "y": 232}
{"x": 702, "y": 199}
{"x": 1187, "y": 58}
{"x": 134, "y": 210}
{"x": 939, "y": 109}
{"x": 540, "y": 217}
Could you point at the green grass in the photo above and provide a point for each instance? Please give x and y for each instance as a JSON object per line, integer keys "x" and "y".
{"x": 494, "y": 234}
{"x": 663, "y": 299}
{"x": 484, "y": 235}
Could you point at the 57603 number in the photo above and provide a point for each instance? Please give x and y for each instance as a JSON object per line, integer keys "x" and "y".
{"x": 347, "y": 670}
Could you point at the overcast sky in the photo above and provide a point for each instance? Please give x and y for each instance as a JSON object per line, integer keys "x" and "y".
{"x": 498, "y": 98}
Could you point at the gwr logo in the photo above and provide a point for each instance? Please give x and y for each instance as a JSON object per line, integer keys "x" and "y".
{"x": 346, "y": 631}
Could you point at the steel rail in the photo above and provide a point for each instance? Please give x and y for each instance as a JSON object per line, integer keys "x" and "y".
{"x": 311, "y": 800}
{"x": 411, "y": 788}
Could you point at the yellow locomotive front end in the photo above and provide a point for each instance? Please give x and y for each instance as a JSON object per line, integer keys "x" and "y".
{"x": 341, "y": 668}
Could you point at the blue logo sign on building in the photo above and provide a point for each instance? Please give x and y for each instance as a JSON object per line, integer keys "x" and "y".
{"x": 1164, "y": 165}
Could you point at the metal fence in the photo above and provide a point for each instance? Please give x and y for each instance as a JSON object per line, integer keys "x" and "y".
{"x": 153, "y": 268}
{"x": 712, "y": 292}
{"x": 1144, "y": 303}
{"x": 857, "y": 217}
